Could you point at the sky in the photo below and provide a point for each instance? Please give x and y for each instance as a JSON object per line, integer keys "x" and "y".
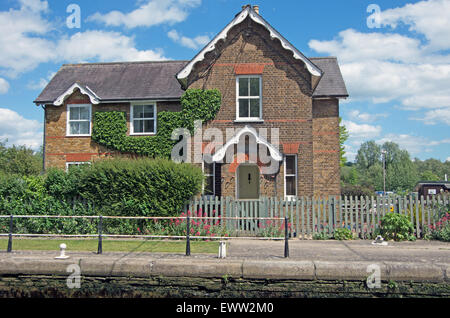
{"x": 394, "y": 56}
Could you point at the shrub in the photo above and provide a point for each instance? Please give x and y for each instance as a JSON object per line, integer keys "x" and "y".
{"x": 441, "y": 231}
{"x": 343, "y": 234}
{"x": 321, "y": 236}
{"x": 396, "y": 227}
{"x": 273, "y": 228}
{"x": 146, "y": 187}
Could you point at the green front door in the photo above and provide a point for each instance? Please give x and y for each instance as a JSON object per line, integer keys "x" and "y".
{"x": 248, "y": 181}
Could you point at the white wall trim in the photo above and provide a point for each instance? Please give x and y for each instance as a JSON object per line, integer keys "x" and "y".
{"x": 84, "y": 90}
{"x": 220, "y": 153}
{"x": 248, "y": 11}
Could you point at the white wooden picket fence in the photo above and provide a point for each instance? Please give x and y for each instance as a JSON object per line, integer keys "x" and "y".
{"x": 308, "y": 216}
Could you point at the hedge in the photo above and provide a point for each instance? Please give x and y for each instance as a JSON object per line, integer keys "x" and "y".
{"x": 138, "y": 187}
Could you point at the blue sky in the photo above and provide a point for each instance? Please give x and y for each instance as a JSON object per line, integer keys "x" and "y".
{"x": 395, "y": 61}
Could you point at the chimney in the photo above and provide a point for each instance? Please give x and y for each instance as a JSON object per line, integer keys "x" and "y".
{"x": 256, "y": 8}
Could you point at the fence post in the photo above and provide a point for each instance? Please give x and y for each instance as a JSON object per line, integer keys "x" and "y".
{"x": 100, "y": 230}
{"x": 10, "y": 234}
{"x": 286, "y": 238}
{"x": 188, "y": 230}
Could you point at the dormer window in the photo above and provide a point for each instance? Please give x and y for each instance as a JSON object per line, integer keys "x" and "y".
{"x": 248, "y": 98}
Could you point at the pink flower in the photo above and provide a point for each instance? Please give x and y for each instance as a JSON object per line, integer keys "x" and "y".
{"x": 198, "y": 233}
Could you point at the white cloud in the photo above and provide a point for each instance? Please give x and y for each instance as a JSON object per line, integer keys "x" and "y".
{"x": 23, "y": 46}
{"x": 361, "y": 130}
{"x": 431, "y": 18}
{"x": 103, "y": 46}
{"x": 41, "y": 83}
{"x": 192, "y": 43}
{"x": 385, "y": 67}
{"x": 436, "y": 116}
{"x": 415, "y": 145}
{"x": 4, "y": 86}
{"x": 365, "y": 117}
{"x": 19, "y": 130}
{"x": 150, "y": 13}
{"x": 26, "y": 41}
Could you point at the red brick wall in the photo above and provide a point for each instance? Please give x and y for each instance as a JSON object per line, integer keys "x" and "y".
{"x": 286, "y": 90}
{"x": 326, "y": 147}
{"x": 60, "y": 149}
{"x": 306, "y": 127}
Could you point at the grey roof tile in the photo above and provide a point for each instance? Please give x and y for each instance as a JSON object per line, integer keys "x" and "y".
{"x": 155, "y": 80}
{"x": 331, "y": 83}
{"x": 118, "y": 81}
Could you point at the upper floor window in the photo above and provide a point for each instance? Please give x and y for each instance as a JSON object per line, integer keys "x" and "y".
{"x": 143, "y": 119}
{"x": 79, "y": 120}
{"x": 249, "y": 101}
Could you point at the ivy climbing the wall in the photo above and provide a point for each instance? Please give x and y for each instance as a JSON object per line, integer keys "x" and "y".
{"x": 110, "y": 128}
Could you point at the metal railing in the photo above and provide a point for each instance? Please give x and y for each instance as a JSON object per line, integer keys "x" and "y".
{"x": 100, "y": 235}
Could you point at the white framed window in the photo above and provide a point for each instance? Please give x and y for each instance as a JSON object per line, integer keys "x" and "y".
{"x": 79, "y": 119}
{"x": 143, "y": 118}
{"x": 70, "y": 165}
{"x": 290, "y": 176}
{"x": 209, "y": 186}
{"x": 249, "y": 97}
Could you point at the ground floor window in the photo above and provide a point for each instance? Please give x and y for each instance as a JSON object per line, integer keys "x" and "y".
{"x": 71, "y": 165}
{"x": 209, "y": 170}
{"x": 290, "y": 176}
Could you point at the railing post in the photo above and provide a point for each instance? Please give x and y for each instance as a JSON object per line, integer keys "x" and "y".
{"x": 10, "y": 234}
{"x": 100, "y": 230}
{"x": 188, "y": 230}
{"x": 286, "y": 238}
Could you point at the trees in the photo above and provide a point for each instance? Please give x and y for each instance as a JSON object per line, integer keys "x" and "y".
{"x": 19, "y": 160}
{"x": 368, "y": 155}
{"x": 401, "y": 173}
{"x": 343, "y": 136}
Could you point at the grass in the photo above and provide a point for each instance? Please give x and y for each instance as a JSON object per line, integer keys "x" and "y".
{"x": 90, "y": 245}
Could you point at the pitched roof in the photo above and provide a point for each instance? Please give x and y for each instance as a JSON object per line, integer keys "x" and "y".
{"x": 331, "y": 83}
{"x": 117, "y": 81}
{"x": 247, "y": 11}
{"x": 155, "y": 80}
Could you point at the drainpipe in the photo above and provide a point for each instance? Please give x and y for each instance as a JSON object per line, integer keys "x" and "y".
{"x": 43, "y": 145}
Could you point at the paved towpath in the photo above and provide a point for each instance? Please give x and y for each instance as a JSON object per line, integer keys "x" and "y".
{"x": 302, "y": 250}
{"x": 358, "y": 250}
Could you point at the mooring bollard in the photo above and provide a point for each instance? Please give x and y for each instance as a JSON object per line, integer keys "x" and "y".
{"x": 188, "y": 242}
{"x": 10, "y": 234}
{"x": 100, "y": 230}
{"x": 62, "y": 249}
{"x": 286, "y": 238}
{"x": 222, "y": 249}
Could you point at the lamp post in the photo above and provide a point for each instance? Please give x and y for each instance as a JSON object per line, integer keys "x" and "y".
{"x": 383, "y": 152}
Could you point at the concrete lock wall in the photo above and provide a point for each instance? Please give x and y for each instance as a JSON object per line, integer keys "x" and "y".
{"x": 122, "y": 277}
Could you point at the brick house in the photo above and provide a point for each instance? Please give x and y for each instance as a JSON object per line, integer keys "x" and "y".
{"x": 265, "y": 83}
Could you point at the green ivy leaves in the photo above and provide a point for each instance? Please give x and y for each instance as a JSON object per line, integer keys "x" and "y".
{"x": 110, "y": 128}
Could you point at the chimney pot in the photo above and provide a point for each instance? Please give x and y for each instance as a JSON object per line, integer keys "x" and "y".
{"x": 256, "y": 9}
